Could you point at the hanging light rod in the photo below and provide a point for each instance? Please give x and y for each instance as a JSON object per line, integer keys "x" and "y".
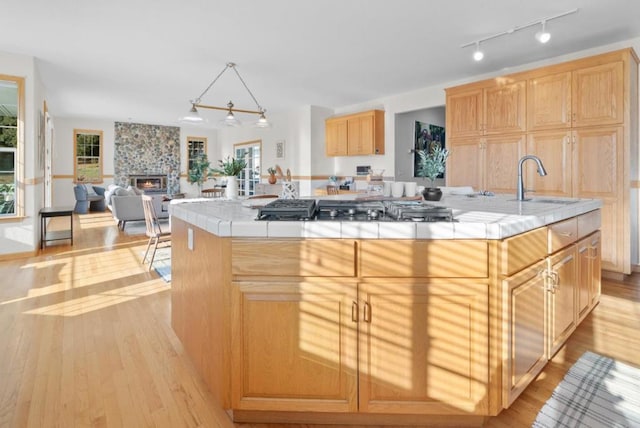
{"x": 541, "y": 21}
{"x": 194, "y": 116}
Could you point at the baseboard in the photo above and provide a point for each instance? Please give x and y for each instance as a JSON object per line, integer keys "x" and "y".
{"x": 614, "y": 276}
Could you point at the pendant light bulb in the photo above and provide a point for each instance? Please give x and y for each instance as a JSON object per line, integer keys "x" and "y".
{"x": 543, "y": 36}
{"x": 478, "y": 55}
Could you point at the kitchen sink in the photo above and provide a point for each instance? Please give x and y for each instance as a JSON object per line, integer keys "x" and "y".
{"x": 554, "y": 201}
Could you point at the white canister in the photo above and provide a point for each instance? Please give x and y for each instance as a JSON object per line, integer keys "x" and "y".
{"x": 410, "y": 188}
{"x": 386, "y": 188}
{"x": 419, "y": 190}
{"x": 398, "y": 189}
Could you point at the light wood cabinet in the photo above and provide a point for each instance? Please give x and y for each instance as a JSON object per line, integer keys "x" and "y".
{"x": 497, "y": 109}
{"x": 294, "y": 346}
{"x": 423, "y": 347}
{"x": 356, "y": 134}
{"x": 581, "y": 120}
{"x": 465, "y": 113}
{"x": 526, "y": 346}
{"x": 486, "y": 163}
{"x": 589, "y": 280}
{"x": 336, "y": 137}
{"x": 598, "y": 95}
{"x": 556, "y": 149}
{"x": 549, "y": 102}
{"x": 562, "y": 295}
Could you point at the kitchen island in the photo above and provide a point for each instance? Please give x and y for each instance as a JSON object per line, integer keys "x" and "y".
{"x": 381, "y": 322}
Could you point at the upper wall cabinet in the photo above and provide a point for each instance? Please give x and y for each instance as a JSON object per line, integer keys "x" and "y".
{"x": 491, "y": 110}
{"x": 589, "y": 96}
{"x": 355, "y": 134}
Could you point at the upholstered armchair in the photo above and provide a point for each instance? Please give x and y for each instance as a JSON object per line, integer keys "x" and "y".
{"x": 88, "y": 197}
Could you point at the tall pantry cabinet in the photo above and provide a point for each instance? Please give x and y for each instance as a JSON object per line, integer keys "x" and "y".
{"x": 579, "y": 117}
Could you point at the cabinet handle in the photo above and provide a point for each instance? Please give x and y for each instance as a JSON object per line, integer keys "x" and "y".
{"x": 367, "y": 312}
{"x": 354, "y": 311}
{"x": 566, "y": 234}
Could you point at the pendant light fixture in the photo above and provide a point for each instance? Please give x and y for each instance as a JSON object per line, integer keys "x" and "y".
{"x": 194, "y": 117}
{"x": 542, "y": 36}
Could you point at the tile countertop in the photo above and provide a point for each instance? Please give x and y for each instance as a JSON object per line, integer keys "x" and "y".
{"x": 477, "y": 217}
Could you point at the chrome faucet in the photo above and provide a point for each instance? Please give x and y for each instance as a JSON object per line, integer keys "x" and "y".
{"x": 541, "y": 171}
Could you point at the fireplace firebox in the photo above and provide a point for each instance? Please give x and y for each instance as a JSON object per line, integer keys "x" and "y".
{"x": 149, "y": 183}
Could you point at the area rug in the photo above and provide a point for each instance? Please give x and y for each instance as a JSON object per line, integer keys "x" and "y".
{"x": 596, "y": 392}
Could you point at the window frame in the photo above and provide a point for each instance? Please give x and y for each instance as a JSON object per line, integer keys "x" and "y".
{"x": 18, "y": 151}
{"x": 94, "y": 132}
{"x": 192, "y": 141}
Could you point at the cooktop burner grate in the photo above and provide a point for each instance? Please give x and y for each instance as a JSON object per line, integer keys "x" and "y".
{"x": 288, "y": 209}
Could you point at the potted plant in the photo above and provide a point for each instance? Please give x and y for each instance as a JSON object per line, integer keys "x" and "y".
{"x": 272, "y": 175}
{"x": 200, "y": 171}
{"x": 432, "y": 163}
{"x": 231, "y": 167}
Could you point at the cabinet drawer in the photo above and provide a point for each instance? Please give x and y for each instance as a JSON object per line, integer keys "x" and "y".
{"x": 523, "y": 250}
{"x": 424, "y": 259}
{"x": 310, "y": 257}
{"x": 562, "y": 234}
{"x": 589, "y": 223}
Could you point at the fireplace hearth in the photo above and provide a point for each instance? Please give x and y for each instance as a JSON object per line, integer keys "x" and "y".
{"x": 149, "y": 183}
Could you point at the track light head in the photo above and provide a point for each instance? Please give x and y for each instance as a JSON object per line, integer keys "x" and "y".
{"x": 543, "y": 36}
{"x": 478, "y": 54}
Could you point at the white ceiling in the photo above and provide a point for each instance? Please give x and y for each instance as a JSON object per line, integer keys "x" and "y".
{"x": 143, "y": 60}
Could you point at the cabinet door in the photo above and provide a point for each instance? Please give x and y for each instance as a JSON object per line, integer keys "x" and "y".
{"x": 294, "y": 346}
{"x": 598, "y": 95}
{"x": 502, "y": 154}
{"x": 562, "y": 297}
{"x": 464, "y": 114}
{"x": 549, "y": 102}
{"x": 465, "y": 165}
{"x": 554, "y": 148}
{"x": 360, "y": 140}
{"x": 423, "y": 345}
{"x": 336, "y": 137}
{"x": 588, "y": 250}
{"x": 526, "y": 321}
{"x": 504, "y": 108}
{"x": 598, "y": 173}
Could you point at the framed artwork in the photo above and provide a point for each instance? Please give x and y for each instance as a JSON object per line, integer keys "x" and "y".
{"x": 424, "y": 136}
{"x": 280, "y": 149}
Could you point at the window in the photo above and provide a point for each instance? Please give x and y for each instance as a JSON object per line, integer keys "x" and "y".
{"x": 88, "y": 156}
{"x": 195, "y": 147}
{"x": 11, "y": 111}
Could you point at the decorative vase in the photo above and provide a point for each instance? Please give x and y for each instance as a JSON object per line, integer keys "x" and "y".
{"x": 432, "y": 194}
{"x": 231, "y": 191}
{"x": 272, "y": 179}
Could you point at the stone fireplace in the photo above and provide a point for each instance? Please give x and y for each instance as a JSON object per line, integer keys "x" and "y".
{"x": 147, "y": 157}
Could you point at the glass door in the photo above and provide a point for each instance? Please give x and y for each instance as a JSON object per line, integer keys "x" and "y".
{"x": 248, "y": 179}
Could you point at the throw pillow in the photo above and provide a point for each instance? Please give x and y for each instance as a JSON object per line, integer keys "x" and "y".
{"x": 90, "y": 190}
{"x": 123, "y": 192}
{"x": 135, "y": 191}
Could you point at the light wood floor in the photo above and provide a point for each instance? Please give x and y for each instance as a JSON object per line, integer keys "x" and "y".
{"x": 85, "y": 340}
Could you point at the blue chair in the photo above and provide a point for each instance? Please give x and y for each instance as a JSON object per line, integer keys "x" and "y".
{"x": 86, "y": 201}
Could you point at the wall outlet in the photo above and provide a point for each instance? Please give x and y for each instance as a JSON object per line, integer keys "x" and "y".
{"x": 190, "y": 239}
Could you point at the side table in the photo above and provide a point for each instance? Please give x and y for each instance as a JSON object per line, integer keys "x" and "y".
{"x": 48, "y": 212}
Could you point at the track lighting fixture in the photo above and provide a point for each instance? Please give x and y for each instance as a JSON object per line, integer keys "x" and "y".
{"x": 543, "y": 36}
